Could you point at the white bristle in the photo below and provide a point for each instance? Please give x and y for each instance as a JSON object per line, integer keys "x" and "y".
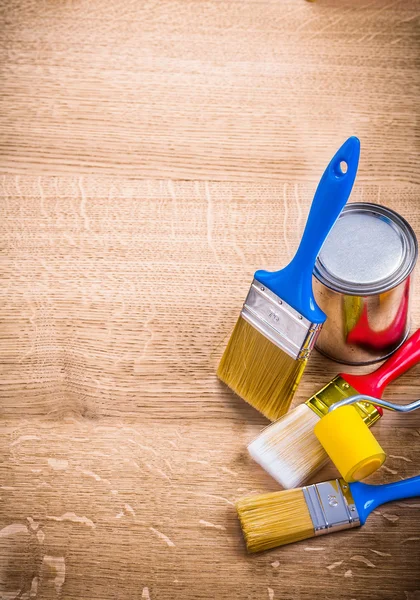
{"x": 288, "y": 449}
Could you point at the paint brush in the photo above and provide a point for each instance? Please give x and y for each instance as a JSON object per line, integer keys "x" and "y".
{"x": 279, "y": 518}
{"x": 280, "y": 320}
{"x": 289, "y": 449}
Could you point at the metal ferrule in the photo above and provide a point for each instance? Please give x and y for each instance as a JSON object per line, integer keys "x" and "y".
{"x": 331, "y": 506}
{"x": 337, "y": 390}
{"x": 279, "y": 322}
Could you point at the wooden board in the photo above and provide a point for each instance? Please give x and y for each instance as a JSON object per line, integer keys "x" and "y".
{"x": 154, "y": 154}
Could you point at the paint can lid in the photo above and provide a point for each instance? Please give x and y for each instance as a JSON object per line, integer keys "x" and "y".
{"x": 370, "y": 249}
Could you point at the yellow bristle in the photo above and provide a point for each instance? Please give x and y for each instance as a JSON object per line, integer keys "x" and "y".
{"x": 289, "y": 449}
{"x": 274, "y": 519}
{"x": 259, "y": 372}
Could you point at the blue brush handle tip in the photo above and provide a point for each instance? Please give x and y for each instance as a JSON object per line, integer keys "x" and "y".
{"x": 368, "y": 497}
{"x": 293, "y": 284}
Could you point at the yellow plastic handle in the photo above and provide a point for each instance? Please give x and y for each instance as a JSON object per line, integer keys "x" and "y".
{"x": 349, "y": 443}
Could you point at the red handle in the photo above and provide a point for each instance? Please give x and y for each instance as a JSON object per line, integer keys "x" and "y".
{"x": 375, "y": 383}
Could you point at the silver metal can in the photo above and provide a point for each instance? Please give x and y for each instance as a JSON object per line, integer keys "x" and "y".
{"x": 362, "y": 281}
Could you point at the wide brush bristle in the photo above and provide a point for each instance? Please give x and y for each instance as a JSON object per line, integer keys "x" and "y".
{"x": 288, "y": 449}
{"x": 274, "y": 519}
{"x": 259, "y": 372}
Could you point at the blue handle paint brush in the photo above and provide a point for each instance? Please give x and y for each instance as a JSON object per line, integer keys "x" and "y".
{"x": 280, "y": 320}
{"x": 279, "y": 518}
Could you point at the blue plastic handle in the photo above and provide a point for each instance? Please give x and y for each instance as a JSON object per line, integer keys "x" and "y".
{"x": 293, "y": 284}
{"x": 368, "y": 497}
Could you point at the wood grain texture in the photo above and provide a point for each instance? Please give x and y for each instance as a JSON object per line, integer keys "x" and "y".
{"x": 121, "y": 454}
{"x": 209, "y": 90}
{"x": 117, "y": 438}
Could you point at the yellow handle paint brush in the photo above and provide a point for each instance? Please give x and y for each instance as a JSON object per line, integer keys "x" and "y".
{"x": 280, "y": 320}
{"x": 289, "y": 449}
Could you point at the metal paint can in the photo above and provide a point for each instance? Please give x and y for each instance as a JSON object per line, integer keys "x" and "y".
{"x": 362, "y": 281}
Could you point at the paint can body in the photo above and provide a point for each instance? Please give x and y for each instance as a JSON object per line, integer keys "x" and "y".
{"x": 362, "y": 281}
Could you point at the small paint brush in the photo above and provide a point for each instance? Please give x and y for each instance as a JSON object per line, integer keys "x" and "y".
{"x": 289, "y": 449}
{"x": 279, "y": 518}
{"x": 280, "y": 320}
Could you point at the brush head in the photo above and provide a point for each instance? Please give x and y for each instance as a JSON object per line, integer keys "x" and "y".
{"x": 275, "y": 519}
{"x": 288, "y": 449}
{"x": 259, "y": 371}
{"x": 280, "y": 518}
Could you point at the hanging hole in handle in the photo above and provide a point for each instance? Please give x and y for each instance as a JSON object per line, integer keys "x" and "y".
{"x": 343, "y": 166}
{"x": 340, "y": 168}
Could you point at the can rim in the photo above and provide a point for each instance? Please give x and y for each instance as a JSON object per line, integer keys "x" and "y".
{"x": 410, "y": 249}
